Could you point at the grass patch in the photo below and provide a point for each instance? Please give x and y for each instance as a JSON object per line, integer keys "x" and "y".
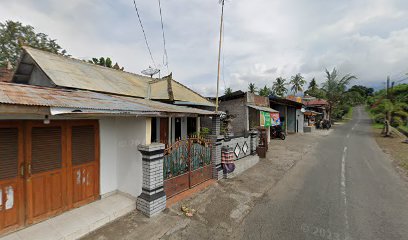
{"x": 377, "y": 125}
{"x": 349, "y": 114}
{"x": 405, "y": 128}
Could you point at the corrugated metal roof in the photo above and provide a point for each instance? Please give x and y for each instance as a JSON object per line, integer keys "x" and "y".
{"x": 74, "y": 73}
{"x": 19, "y": 94}
{"x": 265, "y": 109}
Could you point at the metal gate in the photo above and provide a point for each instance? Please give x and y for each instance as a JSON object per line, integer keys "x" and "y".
{"x": 187, "y": 163}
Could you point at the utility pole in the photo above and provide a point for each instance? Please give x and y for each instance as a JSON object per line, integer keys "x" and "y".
{"x": 219, "y": 54}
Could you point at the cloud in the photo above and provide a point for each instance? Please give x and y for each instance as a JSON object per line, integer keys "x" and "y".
{"x": 263, "y": 39}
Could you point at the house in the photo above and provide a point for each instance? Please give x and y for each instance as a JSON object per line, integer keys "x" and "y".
{"x": 291, "y": 113}
{"x": 247, "y": 110}
{"x": 72, "y": 132}
{"x": 320, "y": 106}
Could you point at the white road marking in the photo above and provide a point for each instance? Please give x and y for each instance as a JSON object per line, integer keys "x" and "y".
{"x": 343, "y": 191}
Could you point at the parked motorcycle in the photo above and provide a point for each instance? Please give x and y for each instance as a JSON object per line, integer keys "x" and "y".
{"x": 277, "y": 132}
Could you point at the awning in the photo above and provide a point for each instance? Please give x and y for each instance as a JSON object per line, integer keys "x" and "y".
{"x": 311, "y": 113}
{"x": 265, "y": 109}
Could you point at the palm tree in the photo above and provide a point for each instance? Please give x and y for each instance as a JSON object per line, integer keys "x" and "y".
{"x": 228, "y": 91}
{"x": 279, "y": 88}
{"x": 335, "y": 87}
{"x": 252, "y": 88}
{"x": 297, "y": 82}
{"x": 265, "y": 91}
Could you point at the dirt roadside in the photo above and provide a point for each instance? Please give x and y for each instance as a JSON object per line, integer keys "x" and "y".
{"x": 221, "y": 207}
{"x": 394, "y": 147}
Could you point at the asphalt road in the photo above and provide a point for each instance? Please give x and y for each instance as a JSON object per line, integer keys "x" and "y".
{"x": 348, "y": 189}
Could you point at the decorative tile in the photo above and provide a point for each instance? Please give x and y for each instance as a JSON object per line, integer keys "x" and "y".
{"x": 237, "y": 150}
{"x": 245, "y": 148}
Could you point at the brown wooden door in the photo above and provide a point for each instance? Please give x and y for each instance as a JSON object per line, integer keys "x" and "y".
{"x": 164, "y": 130}
{"x": 83, "y": 164}
{"x": 11, "y": 179}
{"x": 46, "y": 166}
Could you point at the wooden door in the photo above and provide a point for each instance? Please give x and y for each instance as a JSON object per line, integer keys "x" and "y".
{"x": 83, "y": 164}
{"x": 46, "y": 159}
{"x": 11, "y": 176}
{"x": 164, "y": 130}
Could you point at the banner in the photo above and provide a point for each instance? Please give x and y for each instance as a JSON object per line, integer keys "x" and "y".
{"x": 275, "y": 120}
{"x": 261, "y": 119}
{"x": 267, "y": 116}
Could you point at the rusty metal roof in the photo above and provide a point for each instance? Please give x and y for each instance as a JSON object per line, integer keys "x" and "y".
{"x": 20, "y": 94}
{"x": 73, "y": 73}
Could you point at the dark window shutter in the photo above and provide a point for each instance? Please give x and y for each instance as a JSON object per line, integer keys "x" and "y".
{"x": 8, "y": 153}
{"x": 83, "y": 144}
{"x": 46, "y": 149}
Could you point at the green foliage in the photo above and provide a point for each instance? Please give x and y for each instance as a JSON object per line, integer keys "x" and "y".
{"x": 396, "y": 106}
{"x": 105, "y": 62}
{"x": 335, "y": 88}
{"x": 279, "y": 87}
{"x": 252, "y": 88}
{"x": 204, "y": 132}
{"x": 13, "y": 35}
{"x": 362, "y": 90}
{"x": 265, "y": 91}
{"x": 228, "y": 91}
{"x": 297, "y": 82}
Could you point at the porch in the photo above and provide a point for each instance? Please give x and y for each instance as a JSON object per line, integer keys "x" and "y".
{"x": 78, "y": 222}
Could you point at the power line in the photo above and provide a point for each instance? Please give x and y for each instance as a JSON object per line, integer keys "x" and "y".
{"x": 144, "y": 34}
{"x": 165, "y": 56}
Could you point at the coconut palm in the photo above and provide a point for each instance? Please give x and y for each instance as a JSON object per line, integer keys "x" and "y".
{"x": 297, "y": 82}
{"x": 252, "y": 88}
{"x": 279, "y": 87}
{"x": 335, "y": 88}
{"x": 265, "y": 91}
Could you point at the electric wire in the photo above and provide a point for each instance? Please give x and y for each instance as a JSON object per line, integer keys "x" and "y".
{"x": 144, "y": 34}
{"x": 165, "y": 55}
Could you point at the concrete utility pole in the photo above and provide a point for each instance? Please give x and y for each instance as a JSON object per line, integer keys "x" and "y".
{"x": 219, "y": 54}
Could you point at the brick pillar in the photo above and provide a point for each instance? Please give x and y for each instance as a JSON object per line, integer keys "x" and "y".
{"x": 153, "y": 199}
{"x": 216, "y": 139}
{"x": 254, "y": 142}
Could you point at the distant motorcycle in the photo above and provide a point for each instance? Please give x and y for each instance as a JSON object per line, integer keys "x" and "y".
{"x": 277, "y": 132}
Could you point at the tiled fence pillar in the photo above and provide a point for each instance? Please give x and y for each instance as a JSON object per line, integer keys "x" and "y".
{"x": 153, "y": 199}
{"x": 216, "y": 140}
{"x": 254, "y": 142}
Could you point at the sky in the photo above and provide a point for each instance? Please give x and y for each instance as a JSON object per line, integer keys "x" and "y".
{"x": 263, "y": 39}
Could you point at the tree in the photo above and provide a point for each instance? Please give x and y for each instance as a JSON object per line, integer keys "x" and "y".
{"x": 279, "y": 87}
{"x": 265, "y": 91}
{"x": 363, "y": 90}
{"x": 228, "y": 91}
{"x": 335, "y": 87}
{"x": 313, "y": 85}
{"x": 14, "y": 35}
{"x": 314, "y": 90}
{"x": 252, "y": 88}
{"x": 297, "y": 82}
{"x": 105, "y": 62}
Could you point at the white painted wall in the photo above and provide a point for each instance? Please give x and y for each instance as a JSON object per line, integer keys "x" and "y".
{"x": 108, "y": 155}
{"x": 121, "y": 161}
{"x": 300, "y": 117}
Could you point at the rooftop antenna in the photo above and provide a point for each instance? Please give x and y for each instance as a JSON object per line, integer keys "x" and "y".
{"x": 222, "y": 2}
{"x": 151, "y": 71}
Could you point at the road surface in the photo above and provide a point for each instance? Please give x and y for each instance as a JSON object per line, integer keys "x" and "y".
{"x": 349, "y": 189}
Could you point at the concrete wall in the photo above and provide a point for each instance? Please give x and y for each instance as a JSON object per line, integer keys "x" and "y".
{"x": 121, "y": 161}
{"x": 238, "y": 108}
{"x": 239, "y": 141}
